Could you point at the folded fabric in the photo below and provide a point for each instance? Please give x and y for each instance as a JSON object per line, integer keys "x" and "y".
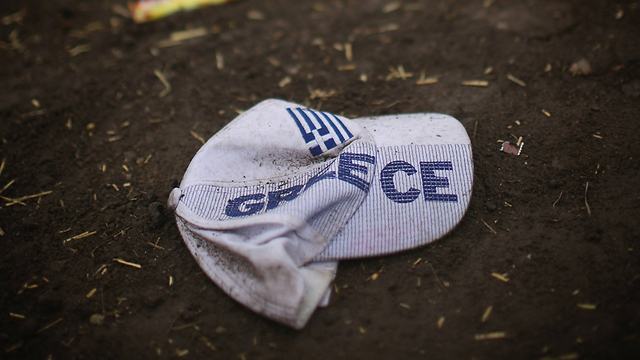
{"x": 274, "y": 200}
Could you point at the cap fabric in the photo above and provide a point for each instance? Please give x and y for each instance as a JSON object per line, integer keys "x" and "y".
{"x": 272, "y": 201}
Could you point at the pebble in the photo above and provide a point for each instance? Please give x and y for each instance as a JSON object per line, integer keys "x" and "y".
{"x": 96, "y": 319}
{"x": 580, "y": 67}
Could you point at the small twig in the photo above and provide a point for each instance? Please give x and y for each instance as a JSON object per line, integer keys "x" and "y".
{"x": 31, "y": 196}
{"x": 32, "y": 114}
{"x": 185, "y": 326}
{"x": 392, "y": 104}
{"x": 437, "y": 279}
{"x": 12, "y": 201}
{"x": 138, "y": 101}
{"x": 516, "y": 80}
{"x": 490, "y": 228}
{"x": 172, "y": 323}
{"x": 347, "y": 67}
{"x": 486, "y": 314}
{"x": 198, "y": 137}
{"x": 155, "y": 246}
{"x": 219, "y": 61}
{"x": 100, "y": 268}
{"x": 20, "y": 200}
{"x": 164, "y": 81}
{"x": 398, "y": 73}
{"x": 208, "y": 343}
{"x": 123, "y": 262}
{"x": 348, "y": 52}
{"x": 4, "y": 161}
{"x": 122, "y": 232}
{"x": 426, "y": 81}
{"x": 48, "y": 326}
{"x": 500, "y": 277}
{"x": 7, "y": 186}
{"x": 80, "y": 49}
{"x": 188, "y": 34}
{"x": 555, "y": 202}
{"x": 285, "y": 81}
{"x": 68, "y": 343}
{"x": 586, "y": 306}
{"x": 480, "y": 83}
{"x": 90, "y": 293}
{"x": 79, "y": 236}
{"x": 403, "y": 74}
{"x": 586, "y": 188}
{"x": 490, "y": 336}
{"x": 35, "y": 196}
{"x": 375, "y": 275}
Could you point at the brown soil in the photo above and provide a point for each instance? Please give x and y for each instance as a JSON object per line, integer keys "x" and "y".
{"x": 557, "y": 221}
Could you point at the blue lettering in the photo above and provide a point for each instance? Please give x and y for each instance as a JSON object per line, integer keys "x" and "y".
{"x": 389, "y": 188}
{"x": 234, "y": 206}
{"x": 322, "y": 175}
{"x": 251, "y": 204}
{"x": 430, "y": 182}
{"x": 346, "y": 167}
{"x": 276, "y": 197}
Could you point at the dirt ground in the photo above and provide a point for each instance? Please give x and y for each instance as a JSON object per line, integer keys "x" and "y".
{"x": 544, "y": 264}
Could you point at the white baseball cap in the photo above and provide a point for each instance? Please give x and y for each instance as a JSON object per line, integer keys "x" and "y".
{"x": 272, "y": 202}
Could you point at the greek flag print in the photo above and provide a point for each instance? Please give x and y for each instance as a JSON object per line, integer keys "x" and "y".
{"x": 320, "y": 130}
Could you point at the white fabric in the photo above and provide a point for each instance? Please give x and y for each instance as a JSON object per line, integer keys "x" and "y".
{"x": 272, "y": 201}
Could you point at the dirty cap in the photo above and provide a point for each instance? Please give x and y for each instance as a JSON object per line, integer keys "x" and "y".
{"x": 271, "y": 202}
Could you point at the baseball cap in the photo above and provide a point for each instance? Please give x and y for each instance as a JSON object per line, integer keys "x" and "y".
{"x": 272, "y": 202}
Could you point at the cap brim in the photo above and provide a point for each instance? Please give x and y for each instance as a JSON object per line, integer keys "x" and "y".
{"x": 420, "y": 191}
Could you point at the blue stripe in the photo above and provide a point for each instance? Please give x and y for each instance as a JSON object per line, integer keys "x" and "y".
{"x": 335, "y": 128}
{"x": 305, "y": 135}
{"x": 344, "y": 127}
{"x": 323, "y": 130}
{"x": 306, "y": 118}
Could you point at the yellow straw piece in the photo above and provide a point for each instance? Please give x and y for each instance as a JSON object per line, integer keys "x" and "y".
{"x": 150, "y": 10}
